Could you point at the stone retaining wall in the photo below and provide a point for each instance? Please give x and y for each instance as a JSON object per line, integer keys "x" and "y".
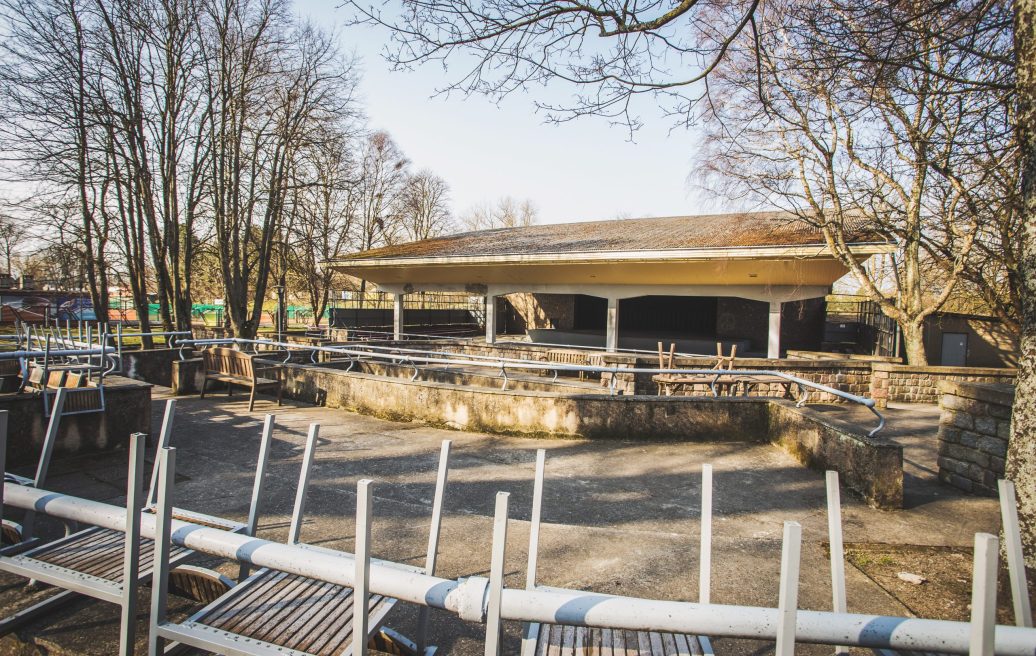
{"x": 872, "y": 467}
{"x": 973, "y": 431}
{"x": 907, "y": 384}
{"x": 127, "y": 411}
{"x": 153, "y": 366}
{"x": 847, "y": 376}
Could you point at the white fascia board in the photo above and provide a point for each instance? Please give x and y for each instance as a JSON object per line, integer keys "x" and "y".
{"x": 671, "y": 255}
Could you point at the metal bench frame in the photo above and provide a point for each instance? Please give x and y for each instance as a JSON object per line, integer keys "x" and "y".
{"x": 123, "y": 593}
{"x": 195, "y": 632}
{"x": 531, "y": 632}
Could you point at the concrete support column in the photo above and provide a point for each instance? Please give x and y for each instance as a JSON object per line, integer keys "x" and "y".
{"x": 490, "y": 319}
{"x": 773, "y": 342}
{"x": 611, "y": 338}
{"x": 397, "y": 316}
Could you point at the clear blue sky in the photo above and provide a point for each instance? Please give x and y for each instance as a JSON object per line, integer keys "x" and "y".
{"x": 581, "y": 170}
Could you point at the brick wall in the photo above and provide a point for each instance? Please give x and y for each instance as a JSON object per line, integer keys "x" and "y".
{"x": 907, "y": 384}
{"x": 851, "y": 377}
{"x": 973, "y": 431}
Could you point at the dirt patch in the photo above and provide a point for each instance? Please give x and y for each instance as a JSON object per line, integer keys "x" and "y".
{"x": 946, "y": 592}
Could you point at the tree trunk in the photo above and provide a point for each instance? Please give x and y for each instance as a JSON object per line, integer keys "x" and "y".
{"x": 913, "y": 343}
{"x": 1021, "y": 451}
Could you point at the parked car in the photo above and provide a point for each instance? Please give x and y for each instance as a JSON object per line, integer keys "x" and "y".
{"x": 77, "y": 309}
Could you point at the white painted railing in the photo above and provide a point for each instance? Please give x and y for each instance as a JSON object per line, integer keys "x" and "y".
{"x": 413, "y": 357}
{"x": 468, "y": 597}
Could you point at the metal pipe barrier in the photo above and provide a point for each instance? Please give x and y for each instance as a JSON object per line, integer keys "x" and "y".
{"x": 504, "y": 363}
{"x": 604, "y": 349}
{"x": 391, "y": 335}
{"x": 467, "y": 597}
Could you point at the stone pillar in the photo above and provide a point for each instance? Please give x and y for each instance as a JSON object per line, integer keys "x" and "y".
{"x": 397, "y": 317}
{"x": 773, "y": 341}
{"x": 490, "y": 319}
{"x": 611, "y": 339}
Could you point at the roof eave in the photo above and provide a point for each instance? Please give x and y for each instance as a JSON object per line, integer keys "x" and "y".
{"x": 666, "y": 255}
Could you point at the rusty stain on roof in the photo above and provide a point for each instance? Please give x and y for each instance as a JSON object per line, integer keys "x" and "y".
{"x": 741, "y": 230}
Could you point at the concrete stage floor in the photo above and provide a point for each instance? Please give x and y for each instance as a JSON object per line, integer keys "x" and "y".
{"x": 619, "y": 517}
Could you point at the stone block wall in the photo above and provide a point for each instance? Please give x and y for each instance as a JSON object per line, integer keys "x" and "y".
{"x": 851, "y": 377}
{"x": 127, "y": 411}
{"x": 973, "y": 431}
{"x": 908, "y": 384}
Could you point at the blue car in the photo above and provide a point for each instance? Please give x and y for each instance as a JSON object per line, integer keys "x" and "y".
{"x": 77, "y": 309}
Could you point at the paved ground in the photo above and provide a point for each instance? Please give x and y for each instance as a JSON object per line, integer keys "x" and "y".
{"x": 620, "y": 517}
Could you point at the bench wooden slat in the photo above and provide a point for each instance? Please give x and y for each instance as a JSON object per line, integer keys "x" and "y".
{"x": 234, "y": 367}
{"x": 606, "y": 642}
{"x": 98, "y": 552}
{"x": 669, "y": 644}
{"x": 292, "y": 612}
{"x": 292, "y": 599}
{"x": 334, "y": 598}
{"x": 542, "y": 640}
{"x": 570, "y": 640}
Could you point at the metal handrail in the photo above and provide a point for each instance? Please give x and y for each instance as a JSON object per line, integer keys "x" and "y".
{"x": 536, "y": 365}
{"x": 466, "y": 597}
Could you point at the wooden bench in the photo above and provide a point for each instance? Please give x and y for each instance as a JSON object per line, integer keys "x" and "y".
{"x": 749, "y": 383}
{"x": 84, "y": 395}
{"x": 233, "y": 367}
{"x": 717, "y": 384}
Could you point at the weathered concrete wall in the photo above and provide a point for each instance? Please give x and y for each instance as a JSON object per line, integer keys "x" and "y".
{"x": 128, "y": 411}
{"x": 974, "y": 428}
{"x": 186, "y": 376}
{"x": 489, "y": 379}
{"x": 529, "y": 412}
{"x": 908, "y": 384}
{"x": 873, "y": 467}
{"x": 153, "y": 366}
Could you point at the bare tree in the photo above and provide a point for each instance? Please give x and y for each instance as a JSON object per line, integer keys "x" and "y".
{"x": 323, "y": 228}
{"x": 47, "y": 79}
{"x": 382, "y": 174}
{"x": 612, "y": 51}
{"x": 12, "y": 235}
{"x": 271, "y": 89}
{"x": 1021, "y": 453}
{"x": 506, "y": 213}
{"x": 425, "y": 210}
{"x": 904, "y": 154}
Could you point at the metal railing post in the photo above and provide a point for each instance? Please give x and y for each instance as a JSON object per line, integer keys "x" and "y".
{"x": 131, "y": 556}
{"x": 1015, "y": 559}
{"x": 788, "y": 599}
{"x": 705, "y": 552}
{"x": 834, "y": 532}
{"x": 299, "y": 509}
{"x": 257, "y": 487}
{"x": 361, "y": 589}
{"x": 166, "y": 458}
{"x": 496, "y": 576}
{"x": 983, "y": 595}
